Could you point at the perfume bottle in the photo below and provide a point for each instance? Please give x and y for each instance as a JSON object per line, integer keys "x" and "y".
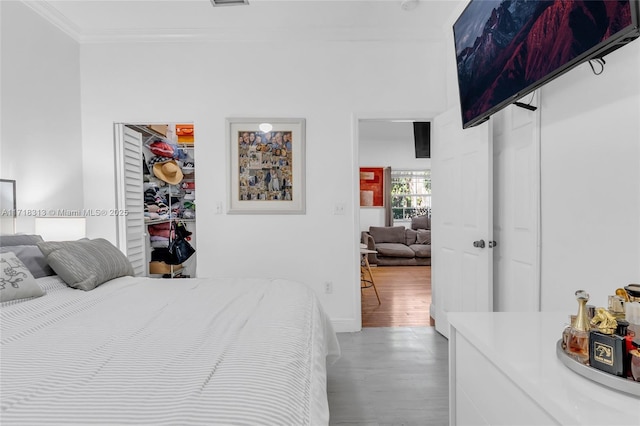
{"x": 578, "y": 345}
{"x": 608, "y": 350}
{"x": 634, "y": 364}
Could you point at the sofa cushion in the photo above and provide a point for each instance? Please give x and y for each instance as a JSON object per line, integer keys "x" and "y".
{"x": 421, "y": 222}
{"x": 410, "y": 236}
{"x": 423, "y": 236}
{"x": 421, "y": 250}
{"x": 387, "y": 234}
{"x": 404, "y": 261}
{"x": 394, "y": 250}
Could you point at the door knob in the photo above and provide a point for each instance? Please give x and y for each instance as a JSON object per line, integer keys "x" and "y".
{"x": 492, "y": 244}
{"x": 479, "y": 243}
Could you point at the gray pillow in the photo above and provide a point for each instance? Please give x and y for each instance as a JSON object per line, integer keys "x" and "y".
{"x": 410, "y": 236}
{"x": 32, "y": 258}
{"x": 424, "y": 236}
{"x": 16, "y": 282}
{"x": 85, "y": 264}
{"x": 19, "y": 240}
{"x": 421, "y": 222}
{"x": 387, "y": 234}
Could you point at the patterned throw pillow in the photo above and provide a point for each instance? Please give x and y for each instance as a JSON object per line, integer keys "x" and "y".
{"x": 85, "y": 264}
{"x": 16, "y": 282}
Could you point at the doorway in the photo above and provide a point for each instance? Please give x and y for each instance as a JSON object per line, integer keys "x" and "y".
{"x": 405, "y": 291}
{"x": 155, "y": 184}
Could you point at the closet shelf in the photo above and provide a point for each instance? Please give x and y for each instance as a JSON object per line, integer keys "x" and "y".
{"x": 155, "y": 222}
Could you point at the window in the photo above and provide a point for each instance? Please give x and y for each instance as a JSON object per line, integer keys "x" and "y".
{"x": 410, "y": 193}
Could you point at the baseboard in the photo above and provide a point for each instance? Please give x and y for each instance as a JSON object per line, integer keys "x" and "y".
{"x": 346, "y": 325}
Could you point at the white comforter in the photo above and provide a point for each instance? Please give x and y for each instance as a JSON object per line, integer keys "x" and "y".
{"x": 157, "y": 352}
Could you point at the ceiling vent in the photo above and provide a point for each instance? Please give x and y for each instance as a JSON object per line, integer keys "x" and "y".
{"x": 229, "y": 2}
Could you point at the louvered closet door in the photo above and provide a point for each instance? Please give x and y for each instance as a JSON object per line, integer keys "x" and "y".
{"x": 131, "y": 228}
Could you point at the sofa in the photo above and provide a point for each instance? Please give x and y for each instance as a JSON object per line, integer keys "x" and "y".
{"x": 399, "y": 246}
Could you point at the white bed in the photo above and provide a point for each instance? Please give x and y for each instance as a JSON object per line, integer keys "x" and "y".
{"x": 158, "y": 352}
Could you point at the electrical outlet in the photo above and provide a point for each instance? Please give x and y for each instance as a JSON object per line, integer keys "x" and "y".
{"x": 338, "y": 209}
{"x": 328, "y": 287}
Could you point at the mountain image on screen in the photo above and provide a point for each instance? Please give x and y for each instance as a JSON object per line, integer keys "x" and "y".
{"x": 523, "y": 41}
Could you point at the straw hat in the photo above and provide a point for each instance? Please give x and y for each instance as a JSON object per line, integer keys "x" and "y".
{"x": 166, "y": 169}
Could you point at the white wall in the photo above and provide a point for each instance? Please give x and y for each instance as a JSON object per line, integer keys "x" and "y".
{"x": 326, "y": 83}
{"x": 590, "y": 139}
{"x": 590, "y": 180}
{"x": 387, "y": 143}
{"x": 40, "y": 133}
{"x": 590, "y": 186}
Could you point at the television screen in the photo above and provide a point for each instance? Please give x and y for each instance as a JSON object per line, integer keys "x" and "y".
{"x": 505, "y": 49}
{"x": 422, "y": 138}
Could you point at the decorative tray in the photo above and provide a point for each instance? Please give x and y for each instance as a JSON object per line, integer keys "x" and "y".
{"x": 612, "y": 381}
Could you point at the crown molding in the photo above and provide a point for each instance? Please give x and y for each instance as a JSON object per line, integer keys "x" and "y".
{"x": 229, "y": 34}
{"x": 272, "y": 35}
{"x": 52, "y": 15}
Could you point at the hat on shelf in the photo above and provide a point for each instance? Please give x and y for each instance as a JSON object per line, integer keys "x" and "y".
{"x": 166, "y": 169}
{"x": 162, "y": 149}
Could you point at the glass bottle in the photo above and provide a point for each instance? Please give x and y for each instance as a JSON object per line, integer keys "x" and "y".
{"x": 578, "y": 346}
{"x": 609, "y": 352}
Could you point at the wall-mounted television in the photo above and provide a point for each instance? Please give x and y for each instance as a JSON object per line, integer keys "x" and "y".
{"x": 505, "y": 49}
{"x": 422, "y": 138}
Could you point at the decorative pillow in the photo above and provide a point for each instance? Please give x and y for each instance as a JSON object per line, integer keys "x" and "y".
{"x": 387, "y": 234}
{"x": 16, "y": 282}
{"x": 421, "y": 222}
{"x": 85, "y": 264}
{"x": 19, "y": 240}
{"x": 424, "y": 236}
{"x": 32, "y": 258}
{"x": 410, "y": 236}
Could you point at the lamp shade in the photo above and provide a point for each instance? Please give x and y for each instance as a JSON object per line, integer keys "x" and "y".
{"x": 61, "y": 228}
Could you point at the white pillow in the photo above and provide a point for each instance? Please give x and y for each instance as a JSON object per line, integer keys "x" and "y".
{"x": 16, "y": 282}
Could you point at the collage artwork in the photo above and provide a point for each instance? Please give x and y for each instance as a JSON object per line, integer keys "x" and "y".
{"x": 265, "y": 165}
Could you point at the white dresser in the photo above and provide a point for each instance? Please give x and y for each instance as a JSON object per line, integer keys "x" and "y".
{"x": 503, "y": 370}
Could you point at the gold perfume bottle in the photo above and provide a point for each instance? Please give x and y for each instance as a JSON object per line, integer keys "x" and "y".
{"x": 578, "y": 345}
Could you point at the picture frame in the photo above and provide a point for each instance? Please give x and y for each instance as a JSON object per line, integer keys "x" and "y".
{"x": 372, "y": 187}
{"x": 266, "y": 165}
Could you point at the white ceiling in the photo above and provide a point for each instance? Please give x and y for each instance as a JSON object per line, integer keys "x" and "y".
{"x": 385, "y": 131}
{"x": 152, "y": 20}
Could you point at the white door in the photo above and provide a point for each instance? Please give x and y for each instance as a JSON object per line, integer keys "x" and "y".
{"x": 516, "y": 211}
{"x": 462, "y": 218}
{"x": 129, "y": 192}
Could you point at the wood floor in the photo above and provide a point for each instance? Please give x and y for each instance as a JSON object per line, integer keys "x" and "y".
{"x": 405, "y": 293}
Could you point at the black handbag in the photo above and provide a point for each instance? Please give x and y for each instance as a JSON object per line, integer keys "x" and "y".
{"x": 179, "y": 247}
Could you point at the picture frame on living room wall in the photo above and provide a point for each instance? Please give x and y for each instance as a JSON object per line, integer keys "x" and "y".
{"x": 372, "y": 187}
{"x": 266, "y": 165}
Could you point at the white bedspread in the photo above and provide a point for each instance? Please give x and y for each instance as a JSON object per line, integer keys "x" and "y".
{"x": 158, "y": 352}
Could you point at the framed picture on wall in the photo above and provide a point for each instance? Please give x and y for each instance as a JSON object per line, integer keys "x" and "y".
{"x": 266, "y": 165}
{"x": 372, "y": 187}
